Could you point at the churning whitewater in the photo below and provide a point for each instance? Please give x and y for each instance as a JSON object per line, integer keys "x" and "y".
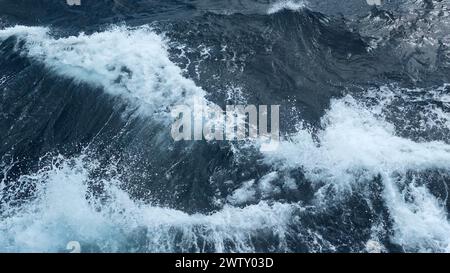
{"x": 363, "y": 164}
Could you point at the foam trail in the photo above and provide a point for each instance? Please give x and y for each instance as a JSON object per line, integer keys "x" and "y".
{"x": 356, "y": 146}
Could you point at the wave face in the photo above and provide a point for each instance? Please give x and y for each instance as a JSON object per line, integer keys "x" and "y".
{"x": 87, "y": 155}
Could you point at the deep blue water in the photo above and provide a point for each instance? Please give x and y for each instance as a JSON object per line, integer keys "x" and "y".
{"x": 85, "y": 145}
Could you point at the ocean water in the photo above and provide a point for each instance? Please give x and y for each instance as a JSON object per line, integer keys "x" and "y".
{"x": 86, "y": 154}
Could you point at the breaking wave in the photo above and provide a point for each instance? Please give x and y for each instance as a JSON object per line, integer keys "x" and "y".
{"x": 86, "y": 154}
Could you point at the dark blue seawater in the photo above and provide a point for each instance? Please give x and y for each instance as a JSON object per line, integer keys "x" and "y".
{"x": 86, "y": 152}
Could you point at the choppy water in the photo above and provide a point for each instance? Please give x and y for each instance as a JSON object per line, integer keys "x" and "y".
{"x": 86, "y": 152}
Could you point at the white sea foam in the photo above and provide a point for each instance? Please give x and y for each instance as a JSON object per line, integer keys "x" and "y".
{"x": 355, "y": 146}
{"x": 286, "y": 4}
{"x": 246, "y": 193}
{"x": 417, "y": 110}
{"x": 66, "y": 210}
{"x": 132, "y": 63}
